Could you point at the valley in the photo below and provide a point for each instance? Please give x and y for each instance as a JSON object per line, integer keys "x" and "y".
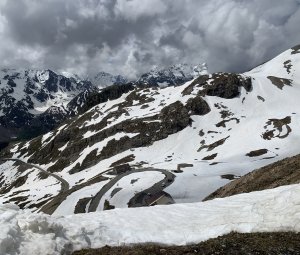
{"x": 162, "y": 150}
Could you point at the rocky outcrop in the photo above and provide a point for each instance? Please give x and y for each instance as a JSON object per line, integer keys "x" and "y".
{"x": 296, "y": 49}
{"x": 174, "y": 118}
{"x": 197, "y": 106}
{"x": 109, "y": 93}
{"x": 224, "y": 85}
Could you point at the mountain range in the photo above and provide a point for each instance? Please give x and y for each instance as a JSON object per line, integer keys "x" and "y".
{"x": 134, "y": 146}
{"x": 174, "y": 158}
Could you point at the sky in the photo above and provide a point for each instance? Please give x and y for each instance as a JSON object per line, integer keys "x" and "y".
{"x": 129, "y": 37}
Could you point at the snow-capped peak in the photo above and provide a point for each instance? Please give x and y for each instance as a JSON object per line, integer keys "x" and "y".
{"x": 173, "y": 75}
{"x": 200, "y": 70}
{"x": 103, "y": 79}
{"x": 69, "y": 75}
{"x": 42, "y": 76}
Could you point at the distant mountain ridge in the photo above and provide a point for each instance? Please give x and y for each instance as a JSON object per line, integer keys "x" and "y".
{"x": 29, "y": 96}
{"x": 103, "y": 79}
{"x": 174, "y": 75}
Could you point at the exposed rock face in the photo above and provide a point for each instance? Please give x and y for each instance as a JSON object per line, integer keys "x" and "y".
{"x": 174, "y": 117}
{"x": 296, "y": 49}
{"x": 109, "y": 93}
{"x": 280, "y": 82}
{"x": 234, "y": 243}
{"x": 227, "y": 85}
{"x": 197, "y": 106}
{"x": 224, "y": 85}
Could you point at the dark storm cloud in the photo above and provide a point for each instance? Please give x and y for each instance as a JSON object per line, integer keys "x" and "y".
{"x": 128, "y": 37}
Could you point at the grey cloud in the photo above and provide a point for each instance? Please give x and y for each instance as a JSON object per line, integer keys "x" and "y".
{"x": 129, "y": 36}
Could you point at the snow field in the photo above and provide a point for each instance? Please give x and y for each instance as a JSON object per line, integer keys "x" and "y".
{"x": 271, "y": 210}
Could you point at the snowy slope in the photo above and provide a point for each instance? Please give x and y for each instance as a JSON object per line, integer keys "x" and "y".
{"x": 199, "y": 136}
{"x": 27, "y": 233}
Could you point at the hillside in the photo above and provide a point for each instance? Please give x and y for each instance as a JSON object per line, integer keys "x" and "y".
{"x": 160, "y": 145}
{"x": 284, "y": 172}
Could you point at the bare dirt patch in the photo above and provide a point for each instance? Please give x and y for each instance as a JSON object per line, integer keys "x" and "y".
{"x": 287, "y": 243}
{"x": 296, "y": 49}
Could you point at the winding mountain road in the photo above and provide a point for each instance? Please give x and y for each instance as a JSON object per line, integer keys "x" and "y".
{"x": 137, "y": 200}
{"x": 64, "y": 184}
{"x": 158, "y": 187}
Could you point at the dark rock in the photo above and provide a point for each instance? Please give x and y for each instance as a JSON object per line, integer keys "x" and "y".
{"x": 197, "y": 106}
{"x": 296, "y": 49}
{"x": 210, "y": 157}
{"x": 175, "y": 117}
{"x": 108, "y": 93}
{"x": 120, "y": 169}
{"x": 257, "y": 153}
{"x": 227, "y": 85}
{"x": 107, "y": 205}
{"x": 224, "y": 85}
{"x": 280, "y": 82}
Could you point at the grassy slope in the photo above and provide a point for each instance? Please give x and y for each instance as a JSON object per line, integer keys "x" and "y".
{"x": 284, "y": 172}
